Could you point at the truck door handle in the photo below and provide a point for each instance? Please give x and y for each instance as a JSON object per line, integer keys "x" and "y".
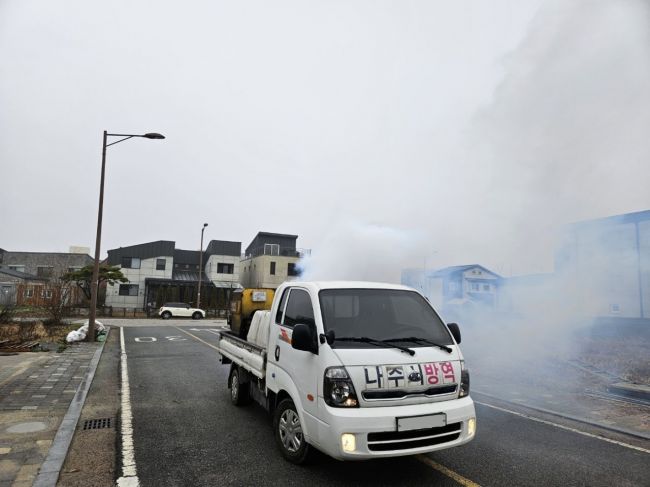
{"x": 277, "y": 353}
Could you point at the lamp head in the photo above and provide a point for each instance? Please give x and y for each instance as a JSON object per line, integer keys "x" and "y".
{"x": 153, "y": 135}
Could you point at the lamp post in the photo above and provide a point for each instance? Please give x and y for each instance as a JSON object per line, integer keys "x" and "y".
{"x": 198, "y": 295}
{"x": 92, "y": 314}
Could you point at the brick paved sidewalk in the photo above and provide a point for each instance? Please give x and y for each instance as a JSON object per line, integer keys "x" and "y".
{"x": 32, "y": 404}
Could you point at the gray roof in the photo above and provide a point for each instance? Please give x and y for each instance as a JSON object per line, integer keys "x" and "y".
{"x": 223, "y": 247}
{"x": 148, "y": 250}
{"x": 20, "y": 275}
{"x": 192, "y": 276}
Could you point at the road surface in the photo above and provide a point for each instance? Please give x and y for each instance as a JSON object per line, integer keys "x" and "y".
{"x": 186, "y": 432}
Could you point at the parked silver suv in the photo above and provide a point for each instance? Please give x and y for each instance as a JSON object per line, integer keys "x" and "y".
{"x": 180, "y": 310}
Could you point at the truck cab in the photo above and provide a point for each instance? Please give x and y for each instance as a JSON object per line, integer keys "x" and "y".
{"x": 359, "y": 370}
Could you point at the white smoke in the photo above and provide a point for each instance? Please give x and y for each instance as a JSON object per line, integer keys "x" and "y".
{"x": 360, "y": 251}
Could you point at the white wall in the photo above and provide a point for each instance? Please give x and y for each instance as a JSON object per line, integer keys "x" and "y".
{"x": 211, "y": 269}
{"x": 256, "y": 271}
{"x": 137, "y": 276}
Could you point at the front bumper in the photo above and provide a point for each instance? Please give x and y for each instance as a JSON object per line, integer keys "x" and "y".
{"x": 376, "y": 435}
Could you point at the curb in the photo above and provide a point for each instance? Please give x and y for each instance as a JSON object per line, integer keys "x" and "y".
{"x": 629, "y": 389}
{"x": 48, "y": 474}
{"x": 615, "y": 429}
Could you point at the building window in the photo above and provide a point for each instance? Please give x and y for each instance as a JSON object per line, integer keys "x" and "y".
{"x": 225, "y": 268}
{"x": 128, "y": 289}
{"x": 615, "y": 308}
{"x": 271, "y": 249}
{"x": 18, "y": 268}
{"x": 160, "y": 264}
{"x": 74, "y": 269}
{"x": 486, "y": 287}
{"x": 46, "y": 294}
{"x": 29, "y": 292}
{"x": 273, "y": 268}
{"x": 292, "y": 270}
{"x": 44, "y": 271}
{"x": 473, "y": 286}
{"x": 130, "y": 262}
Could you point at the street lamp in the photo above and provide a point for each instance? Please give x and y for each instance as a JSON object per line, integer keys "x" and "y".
{"x": 92, "y": 314}
{"x": 198, "y": 295}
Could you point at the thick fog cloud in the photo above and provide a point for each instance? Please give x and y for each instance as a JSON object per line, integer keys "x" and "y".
{"x": 565, "y": 137}
{"x": 473, "y": 128}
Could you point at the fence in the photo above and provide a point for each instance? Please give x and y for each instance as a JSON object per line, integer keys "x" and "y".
{"x": 115, "y": 312}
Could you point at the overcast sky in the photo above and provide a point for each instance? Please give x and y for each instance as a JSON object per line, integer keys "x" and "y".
{"x": 404, "y": 133}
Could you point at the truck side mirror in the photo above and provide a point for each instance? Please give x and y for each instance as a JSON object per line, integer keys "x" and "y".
{"x": 455, "y": 331}
{"x": 303, "y": 339}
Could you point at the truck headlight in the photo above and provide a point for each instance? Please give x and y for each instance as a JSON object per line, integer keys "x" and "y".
{"x": 464, "y": 380}
{"x": 338, "y": 390}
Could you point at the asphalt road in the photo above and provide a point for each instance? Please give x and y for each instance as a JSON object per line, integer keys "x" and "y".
{"x": 186, "y": 432}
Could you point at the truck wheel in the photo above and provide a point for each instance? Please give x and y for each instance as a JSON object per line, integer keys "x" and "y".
{"x": 197, "y": 316}
{"x": 239, "y": 395}
{"x": 288, "y": 433}
{"x": 166, "y": 315}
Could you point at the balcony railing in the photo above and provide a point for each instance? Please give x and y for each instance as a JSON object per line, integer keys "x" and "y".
{"x": 276, "y": 250}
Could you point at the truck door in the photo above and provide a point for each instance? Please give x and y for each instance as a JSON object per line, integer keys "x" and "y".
{"x": 301, "y": 366}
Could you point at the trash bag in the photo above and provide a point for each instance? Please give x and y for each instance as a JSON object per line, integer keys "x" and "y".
{"x": 75, "y": 336}
{"x": 80, "y": 334}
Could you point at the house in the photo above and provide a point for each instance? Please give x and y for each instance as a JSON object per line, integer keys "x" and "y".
{"x": 46, "y": 265}
{"x": 158, "y": 272}
{"x": 457, "y": 286}
{"x": 270, "y": 259}
{"x": 32, "y": 278}
{"x": 19, "y": 288}
{"x": 604, "y": 265}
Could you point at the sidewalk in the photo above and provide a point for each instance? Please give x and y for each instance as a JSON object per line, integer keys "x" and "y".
{"x": 559, "y": 388}
{"x": 36, "y": 390}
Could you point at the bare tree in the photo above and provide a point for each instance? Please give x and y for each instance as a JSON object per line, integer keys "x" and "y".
{"x": 55, "y": 299}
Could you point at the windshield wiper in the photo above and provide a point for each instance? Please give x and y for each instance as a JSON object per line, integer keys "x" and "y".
{"x": 419, "y": 340}
{"x": 374, "y": 342}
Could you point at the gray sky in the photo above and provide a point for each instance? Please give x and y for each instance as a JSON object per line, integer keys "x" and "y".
{"x": 384, "y": 134}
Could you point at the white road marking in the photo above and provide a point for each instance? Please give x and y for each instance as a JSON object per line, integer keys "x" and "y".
{"x": 550, "y": 423}
{"x": 145, "y": 339}
{"x": 129, "y": 476}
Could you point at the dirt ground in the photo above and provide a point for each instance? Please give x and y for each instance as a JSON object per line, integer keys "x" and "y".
{"x": 625, "y": 357}
{"x": 34, "y": 330}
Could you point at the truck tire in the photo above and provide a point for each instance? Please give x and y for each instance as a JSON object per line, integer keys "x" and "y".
{"x": 239, "y": 394}
{"x": 288, "y": 433}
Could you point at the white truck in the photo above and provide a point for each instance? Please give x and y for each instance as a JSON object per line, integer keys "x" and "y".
{"x": 357, "y": 370}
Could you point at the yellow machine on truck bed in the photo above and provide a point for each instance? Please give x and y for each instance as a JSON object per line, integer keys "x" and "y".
{"x": 243, "y": 305}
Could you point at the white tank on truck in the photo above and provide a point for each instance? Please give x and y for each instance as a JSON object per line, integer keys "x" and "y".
{"x": 357, "y": 370}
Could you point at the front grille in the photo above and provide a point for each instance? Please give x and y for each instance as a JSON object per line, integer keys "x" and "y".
{"x": 401, "y": 393}
{"x": 406, "y": 440}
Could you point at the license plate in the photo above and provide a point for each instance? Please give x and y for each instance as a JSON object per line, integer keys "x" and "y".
{"x": 421, "y": 422}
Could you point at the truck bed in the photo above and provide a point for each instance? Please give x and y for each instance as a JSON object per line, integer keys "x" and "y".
{"x": 245, "y": 354}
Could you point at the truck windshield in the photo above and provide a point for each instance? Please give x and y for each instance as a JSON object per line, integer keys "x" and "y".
{"x": 381, "y": 314}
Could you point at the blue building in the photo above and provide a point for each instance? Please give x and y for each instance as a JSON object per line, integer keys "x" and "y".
{"x": 605, "y": 265}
